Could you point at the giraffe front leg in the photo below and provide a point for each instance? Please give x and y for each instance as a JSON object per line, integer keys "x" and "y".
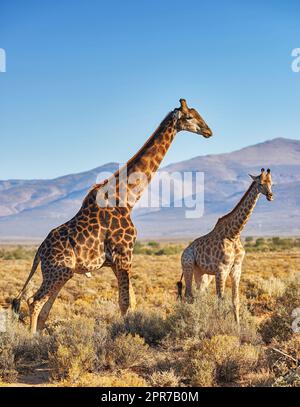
{"x": 188, "y": 271}
{"x": 132, "y": 297}
{"x": 126, "y": 293}
{"x": 123, "y": 277}
{"x": 221, "y": 276}
{"x": 235, "y": 279}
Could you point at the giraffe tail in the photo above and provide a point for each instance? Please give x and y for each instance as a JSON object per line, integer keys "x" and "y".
{"x": 179, "y": 288}
{"x": 16, "y": 302}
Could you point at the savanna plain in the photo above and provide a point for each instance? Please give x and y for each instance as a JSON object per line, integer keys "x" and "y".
{"x": 164, "y": 342}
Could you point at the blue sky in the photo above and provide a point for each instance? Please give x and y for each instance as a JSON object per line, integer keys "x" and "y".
{"x": 88, "y": 81}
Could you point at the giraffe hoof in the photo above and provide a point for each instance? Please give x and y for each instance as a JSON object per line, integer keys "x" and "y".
{"x": 88, "y": 275}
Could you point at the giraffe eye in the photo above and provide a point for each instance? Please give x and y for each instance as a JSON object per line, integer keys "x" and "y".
{"x": 189, "y": 117}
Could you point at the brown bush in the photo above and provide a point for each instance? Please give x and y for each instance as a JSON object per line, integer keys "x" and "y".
{"x": 148, "y": 325}
{"x": 74, "y": 350}
{"x": 127, "y": 351}
{"x": 173, "y": 333}
{"x": 8, "y": 370}
{"x": 279, "y": 325}
{"x": 208, "y": 316}
{"x": 166, "y": 378}
{"x": 219, "y": 360}
{"x": 123, "y": 378}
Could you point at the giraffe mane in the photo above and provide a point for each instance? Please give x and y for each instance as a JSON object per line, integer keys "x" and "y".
{"x": 161, "y": 125}
{"x": 241, "y": 201}
{"x": 97, "y": 186}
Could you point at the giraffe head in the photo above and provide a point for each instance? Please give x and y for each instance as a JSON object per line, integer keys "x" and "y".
{"x": 190, "y": 120}
{"x": 264, "y": 183}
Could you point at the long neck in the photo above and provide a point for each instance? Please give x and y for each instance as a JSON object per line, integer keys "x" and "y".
{"x": 138, "y": 172}
{"x": 234, "y": 222}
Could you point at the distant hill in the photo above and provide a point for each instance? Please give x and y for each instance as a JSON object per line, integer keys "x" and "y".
{"x": 29, "y": 209}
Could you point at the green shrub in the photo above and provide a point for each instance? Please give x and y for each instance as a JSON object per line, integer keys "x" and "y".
{"x": 17, "y": 253}
{"x": 276, "y": 240}
{"x": 154, "y": 248}
{"x": 153, "y": 244}
{"x": 138, "y": 248}
{"x": 168, "y": 250}
{"x": 149, "y": 326}
{"x": 208, "y": 316}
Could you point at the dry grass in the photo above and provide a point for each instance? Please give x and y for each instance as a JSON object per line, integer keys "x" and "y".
{"x": 163, "y": 343}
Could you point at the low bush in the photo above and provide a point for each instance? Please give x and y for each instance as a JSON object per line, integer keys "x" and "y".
{"x": 208, "y": 316}
{"x": 73, "y": 349}
{"x": 279, "y": 325}
{"x": 19, "y": 351}
{"x": 123, "y": 378}
{"x": 8, "y": 370}
{"x": 165, "y": 379}
{"x": 220, "y": 359}
{"x": 290, "y": 379}
{"x": 127, "y": 351}
{"x": 154, "y": 248}
{"x": 17, "y": 253}
{"x": 149, "y": 326}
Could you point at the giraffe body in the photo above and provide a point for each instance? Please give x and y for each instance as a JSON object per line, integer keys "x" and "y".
{"x": 103, "y": 234}
{"x": 220, "y": 253}
{"x": 78, "y": 247}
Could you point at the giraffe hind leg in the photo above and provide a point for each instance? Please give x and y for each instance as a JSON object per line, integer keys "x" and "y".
{"x": 36, "y": 304}
{"x": 44, "y": 313}
{"x": 40, "y": 304}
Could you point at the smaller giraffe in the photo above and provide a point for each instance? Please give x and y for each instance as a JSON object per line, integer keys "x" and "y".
{"x": 220, "y": 253}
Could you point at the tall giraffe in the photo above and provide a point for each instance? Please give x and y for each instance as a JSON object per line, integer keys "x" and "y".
{"x": 220, "y": 253}
{"x": 102, "y": 232}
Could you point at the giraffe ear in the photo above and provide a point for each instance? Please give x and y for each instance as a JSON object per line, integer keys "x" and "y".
{"x": 253, "y": 177}
{"x": 178, "y": 113}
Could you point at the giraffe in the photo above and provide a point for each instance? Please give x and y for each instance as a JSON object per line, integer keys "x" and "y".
{"x": 220, "y": 253}
{"x": 102, "y": 232}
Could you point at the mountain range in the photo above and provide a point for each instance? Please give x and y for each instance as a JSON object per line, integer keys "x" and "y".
{"x": 30, "y": 208}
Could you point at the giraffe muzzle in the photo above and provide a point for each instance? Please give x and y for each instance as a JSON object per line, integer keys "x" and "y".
{"x": 205, "y": 133}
